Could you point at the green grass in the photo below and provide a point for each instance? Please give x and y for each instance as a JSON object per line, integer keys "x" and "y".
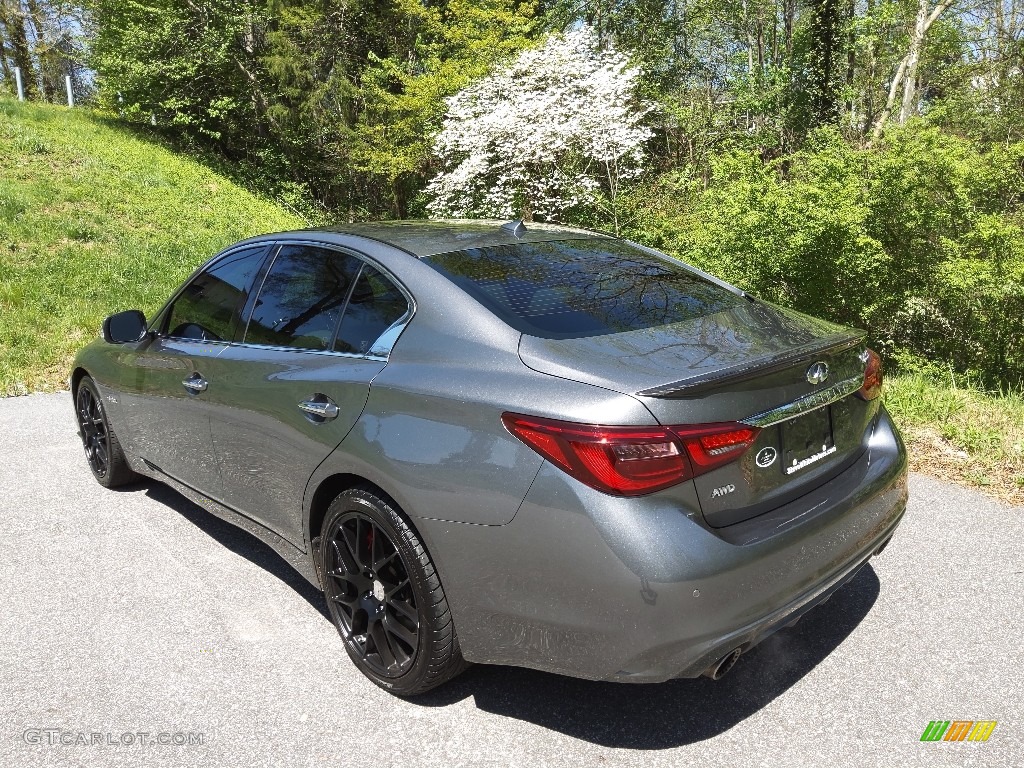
{"x": 960, "y": 433}
{"x": 95, "y": 219}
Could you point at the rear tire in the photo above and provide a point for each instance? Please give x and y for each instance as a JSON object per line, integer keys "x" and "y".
{"x": 102, "y": 449}
{"x": 385, "y": 597}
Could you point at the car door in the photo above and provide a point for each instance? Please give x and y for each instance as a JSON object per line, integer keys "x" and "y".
{"x": 167, "y": 403}
{"x": 290, "y": 392}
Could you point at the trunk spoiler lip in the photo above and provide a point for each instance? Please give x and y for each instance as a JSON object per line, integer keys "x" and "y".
{"x": 695, "y": 386}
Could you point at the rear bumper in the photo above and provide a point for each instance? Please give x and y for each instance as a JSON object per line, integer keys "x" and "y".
{"x": 640, "y": 590}
{"x": 747, "y": 637}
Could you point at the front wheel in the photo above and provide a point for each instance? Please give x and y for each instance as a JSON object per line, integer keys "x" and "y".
{"x": 385, "y": 597}
{"x": 102, "y": 449}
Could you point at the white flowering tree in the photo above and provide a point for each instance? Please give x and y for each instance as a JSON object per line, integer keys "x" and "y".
{"x": 559, "y": 128}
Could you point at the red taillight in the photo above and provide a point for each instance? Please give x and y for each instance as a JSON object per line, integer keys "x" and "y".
{"x": 872, "y": 387}
{"x": 712, "y": 445}
{"x": 631, "y": 461}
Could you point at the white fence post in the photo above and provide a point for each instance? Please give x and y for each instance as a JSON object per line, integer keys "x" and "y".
{"x": 17, "y": 80}
{"x": 71, "y": 95}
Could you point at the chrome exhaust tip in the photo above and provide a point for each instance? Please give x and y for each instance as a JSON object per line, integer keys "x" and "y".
{"x": 720, "y": 669}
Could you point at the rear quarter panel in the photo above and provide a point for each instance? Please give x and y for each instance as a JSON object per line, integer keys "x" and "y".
{"x": 431, "y": 433}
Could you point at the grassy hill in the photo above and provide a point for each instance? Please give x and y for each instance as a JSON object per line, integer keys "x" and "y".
{"x": 96, "y": 219}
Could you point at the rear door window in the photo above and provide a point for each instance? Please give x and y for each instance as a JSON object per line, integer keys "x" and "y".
{"x": 209, "y": 307}
{"x": 375, "y": 305}
{"x": 302, "y": 298}
{"x": 574, "y": 288}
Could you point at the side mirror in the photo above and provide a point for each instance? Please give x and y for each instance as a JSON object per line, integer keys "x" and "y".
{"x": 124, "y": 327}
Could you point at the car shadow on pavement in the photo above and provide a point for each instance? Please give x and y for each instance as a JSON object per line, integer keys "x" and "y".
{"x": 675, "y": 713}
{"x": 238, "y": 541}
{"x": 615, "y": 715}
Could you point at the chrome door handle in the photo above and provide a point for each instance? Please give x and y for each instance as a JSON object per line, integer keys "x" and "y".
{"x": 195, "y": 383}
{"x": 322, "y": 410}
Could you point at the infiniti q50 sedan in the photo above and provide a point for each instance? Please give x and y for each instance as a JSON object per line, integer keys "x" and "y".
{"x": 507, "y": 443}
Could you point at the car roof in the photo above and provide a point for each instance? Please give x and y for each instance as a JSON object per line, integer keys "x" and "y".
{"x": 429, "y": 238}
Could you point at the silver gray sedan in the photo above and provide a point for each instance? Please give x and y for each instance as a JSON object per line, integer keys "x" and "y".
{"x": 508, "y": 443}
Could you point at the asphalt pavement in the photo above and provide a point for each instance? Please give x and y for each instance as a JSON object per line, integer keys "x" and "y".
{"x": 134, "y": 612}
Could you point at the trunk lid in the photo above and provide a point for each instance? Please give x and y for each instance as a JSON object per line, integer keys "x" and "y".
{"x": 748, "y": 363}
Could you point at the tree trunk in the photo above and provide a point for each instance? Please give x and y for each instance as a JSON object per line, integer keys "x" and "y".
{"x": 750, "y": 37}
{"x": 897, "y": 78}
{"x": 851, "y": 61}
{"x": 789, "y": 12}
{"x": 825, "y": 34}
{"x": 4, "y": 69}
{"x": 760, "y": 40}
{"x": 908, "y": 107}
{"x": 51, "y": 75}
{"x": 869, "y": 85}
{"x": 13, "y": 22}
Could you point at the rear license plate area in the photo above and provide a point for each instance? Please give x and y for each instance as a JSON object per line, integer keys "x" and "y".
{"x": 807, "y": 440}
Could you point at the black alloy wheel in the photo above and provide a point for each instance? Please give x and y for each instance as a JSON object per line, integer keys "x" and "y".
{"x": 384, "y": 595}
{"x": 92, "y": 427}
{"x": 370, "y": 594}
{"x": 102, "y": 449}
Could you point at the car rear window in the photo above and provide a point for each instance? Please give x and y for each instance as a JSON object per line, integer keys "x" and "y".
{"x": 573, "y": 288}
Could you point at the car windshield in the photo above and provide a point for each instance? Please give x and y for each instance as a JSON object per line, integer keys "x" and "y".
{"x": 574, "y": 288}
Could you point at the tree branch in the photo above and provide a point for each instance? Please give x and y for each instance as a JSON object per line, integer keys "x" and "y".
{"x": 901, "y": 70}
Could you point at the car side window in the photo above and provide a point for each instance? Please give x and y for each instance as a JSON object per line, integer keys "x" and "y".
{"x": 375, "y": 305}
{"x": 302, "y": 298}
{"x": 207, "y": 309}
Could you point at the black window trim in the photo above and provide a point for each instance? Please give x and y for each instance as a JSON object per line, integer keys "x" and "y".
{"x": 158, "y": 326}
{"x": 257, "y": 287}
{"x": 379, "y": 351}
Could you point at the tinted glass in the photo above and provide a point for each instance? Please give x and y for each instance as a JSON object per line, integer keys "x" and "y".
{"x": 302, "y": 298}
{"x": 574, "y": 288}
{"x": 209, "y": 305}
{"x": 374, "y": 307}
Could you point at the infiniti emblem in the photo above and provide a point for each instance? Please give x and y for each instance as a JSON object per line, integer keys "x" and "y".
{"x": 766, "y": 457}
{"x": 817, "y": 372}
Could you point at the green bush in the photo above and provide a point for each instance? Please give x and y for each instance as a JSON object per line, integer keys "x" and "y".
{"x": 920, "y": 240}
